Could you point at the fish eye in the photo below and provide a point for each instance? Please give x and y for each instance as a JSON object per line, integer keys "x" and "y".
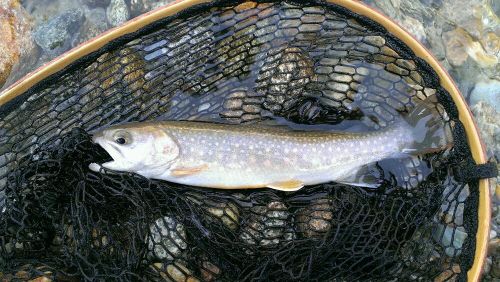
{"x": 121, "y": 140}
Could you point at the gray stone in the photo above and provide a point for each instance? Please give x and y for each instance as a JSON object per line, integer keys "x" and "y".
{"x": 397, "y": 70}
{"x": 344, "y": 69}
{"x": 95, "y": 24}
{"x": 488, "y": 91}
{"x": 374, "y": 40}
{"x": 487, "y": 120}
{"x": 167, "y": 238}
{"x": 338, "y": 86}
{"x": 96, "y": 3}
{"x": 495, "y": 268}
{"x": 251, "y": 109}
{"x": 452, "y": 239}
{"x": 55, "y": 36}
{"x": 231, "y": 114}
{"x": 117, "y": 12}
{"x": 233, "y": 104}
{"x": 266, "y": 227}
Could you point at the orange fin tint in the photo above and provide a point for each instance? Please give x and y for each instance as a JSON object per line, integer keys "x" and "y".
{"x": 185, "y": 171}
{"x": 290, "y": 185}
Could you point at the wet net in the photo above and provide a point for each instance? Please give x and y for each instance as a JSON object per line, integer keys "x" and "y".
{"x": 305, "y": 62}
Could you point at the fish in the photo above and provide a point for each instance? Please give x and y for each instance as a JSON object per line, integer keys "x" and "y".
{"x": 229, "y": 156}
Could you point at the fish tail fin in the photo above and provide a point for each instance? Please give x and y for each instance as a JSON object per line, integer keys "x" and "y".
{"x": 430, "y": 132}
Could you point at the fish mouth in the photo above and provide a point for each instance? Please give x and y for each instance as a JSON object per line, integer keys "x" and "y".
{"x": 113, "y": 153}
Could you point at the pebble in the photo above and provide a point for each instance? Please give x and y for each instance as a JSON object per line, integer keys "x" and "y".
{"x": 117, "y": 12}
{"x": 448, "y": 274}
{"x": 397, "y": 70}
{"x": 55, "y": 36}
{"x": 167, "y": 238}
{"x": 175, "y": 272}
{"x": 138, "y": 7}
{"x": 374, "y": 40}
{"x": 487, "y": 90}
{"x": 495, "y": 267}
{"x": 494, "y": 247}
{"x": 487, "y": 120}
{"x": 228, "y": 213}
{"x": 96, "y": 3}
{"x": 209, "y": 271}
{"x": 450, "y": 238}
{"x": 487, "y": 265}
{"x": 455, "y": 49}
{"x": 493, "y": 234}
{"x": 315, "y": 219}
{"x": 266, "y": 226}
{"x": 414, "y": 27}
{"x": 233, "y": 104}
{"x": 95, "y": 24}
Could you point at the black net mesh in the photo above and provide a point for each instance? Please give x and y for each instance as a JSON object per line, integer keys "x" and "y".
{"x": 307, "y": 62}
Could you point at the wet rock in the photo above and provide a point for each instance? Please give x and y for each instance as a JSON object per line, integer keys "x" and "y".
{"x": 167, "y": 238}
{"x": 450, "y": 274}
{"x": 96, "y": 3}
{"x": 478, "y": 19}
{"x": 175, "y": 272}
{"x": 414, "y": 27}
{"x": 397, "y": 70}
{"x": 495, "y": 267}
{"x": 487, "y": 265}
{"x": 487, "y": 120}
{"x": 432, "y": 3}
{"x": 99, "y": 239}
{"x": 450, "y": 238}
{"x": 228, "y": 213}
{"x": 95, "y": 24}
{"x": 224, "y": 211}
{"x": 41, "y": 279}
{"x": 233, "y": 104}
{"x": 283, "y": 77}
{"x": 43, "y": 11}
{"x": 487, "y": 91}
{"x": 374, "y": 40}
{"x": 266, "y": 226}
{"x": 421, "y": 250}
{"x": 55, "y": 36}
{"x": 209, "y": 271}
{"x": 460, "y": 45}
{"x": 494, "y": 247}
{"x": 138, "y": 7}
{"x": 117, "y": 12}
{"x": 316, "y": 219}
{"x": 15, "y": 32}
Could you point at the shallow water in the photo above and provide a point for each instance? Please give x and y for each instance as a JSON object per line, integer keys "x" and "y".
{"x": 249, "y": 84}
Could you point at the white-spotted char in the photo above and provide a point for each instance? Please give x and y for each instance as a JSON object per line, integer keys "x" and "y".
{"x": 248, "y": 156}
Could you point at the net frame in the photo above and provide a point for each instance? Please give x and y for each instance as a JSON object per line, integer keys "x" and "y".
{"x": 129, "y": 30}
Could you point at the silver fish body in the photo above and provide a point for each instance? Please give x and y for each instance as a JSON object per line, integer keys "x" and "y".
{"x": 241, "y": 156}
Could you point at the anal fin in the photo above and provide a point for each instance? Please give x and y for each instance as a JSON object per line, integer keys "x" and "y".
{"x": 366, "y": 176}
{"x": 289, "y": 185}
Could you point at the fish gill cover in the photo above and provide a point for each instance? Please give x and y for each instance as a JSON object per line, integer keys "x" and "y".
{"x": 306, "y": 63}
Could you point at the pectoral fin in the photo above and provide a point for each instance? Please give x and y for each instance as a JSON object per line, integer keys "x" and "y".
{"x": 185, "y": 171}
{"x": 289, "y": 186}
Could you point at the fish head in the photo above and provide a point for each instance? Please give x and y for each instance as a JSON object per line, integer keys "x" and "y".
{"x": 136, "y": 148}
